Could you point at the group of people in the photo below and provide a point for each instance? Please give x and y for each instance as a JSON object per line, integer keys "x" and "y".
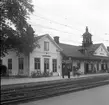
{"x": 66, "y": 69}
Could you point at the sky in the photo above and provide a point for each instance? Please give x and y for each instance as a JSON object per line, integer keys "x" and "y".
{"x": 69, "y": 18}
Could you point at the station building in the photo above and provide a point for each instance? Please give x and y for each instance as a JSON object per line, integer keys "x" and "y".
{"x": 51, "y": 55}
{"x": 89, "y": 57}
{"x": 44, "y": 58}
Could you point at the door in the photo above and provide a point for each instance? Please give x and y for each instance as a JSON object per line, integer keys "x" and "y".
{"x": 102, "y": 66}
{"x": 86, "y": 68}
{"x": 46, "y": 64}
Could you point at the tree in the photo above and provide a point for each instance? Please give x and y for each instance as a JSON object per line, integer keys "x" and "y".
{"x": 15, "y": 32}
{"x": 26, "y": 43}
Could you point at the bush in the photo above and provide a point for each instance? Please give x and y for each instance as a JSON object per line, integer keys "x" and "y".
{"x": 19, "y": 76}
{"x": 101, "y": 71}
{"x": 3, "y": 70}
{"x": 37, "y": 74}
{"x": 45, "y": 74}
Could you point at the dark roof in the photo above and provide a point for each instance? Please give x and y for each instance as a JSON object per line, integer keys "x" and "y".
{"x": 71, "y": 50}
{"x": 87, "y": 33}
{"x": 76, "y": 51}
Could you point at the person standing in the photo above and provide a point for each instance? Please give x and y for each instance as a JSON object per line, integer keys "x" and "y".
{"x": 68, "y": 70}
{"x": 63, "y": 70}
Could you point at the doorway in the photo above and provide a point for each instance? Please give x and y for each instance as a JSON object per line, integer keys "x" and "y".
{"x": 46, "y": 64}
{"x": 63, "y": 68}
{"x": 102, "y": 66}
{"x": 86, "y": 67}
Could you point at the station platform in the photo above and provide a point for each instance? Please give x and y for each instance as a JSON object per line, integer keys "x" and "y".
{"x": 9, "y": 81}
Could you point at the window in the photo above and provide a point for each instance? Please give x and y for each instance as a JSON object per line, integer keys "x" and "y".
{"x": 21, "y": 63}
{"x": 46, "y": 46}
{"x": 36, "y": 63}
{"x": 46, "y": 64}
{"x": 54, "y": 61}
{"x": 9, "y": 63}
{"x": 97, "y": 66}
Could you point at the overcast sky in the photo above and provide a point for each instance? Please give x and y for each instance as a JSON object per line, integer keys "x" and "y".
{"x": 68, "y": 19}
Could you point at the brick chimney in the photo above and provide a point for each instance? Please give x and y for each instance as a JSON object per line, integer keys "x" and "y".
{"x": 56, "y": 39}
{"x": 108, "y": 48}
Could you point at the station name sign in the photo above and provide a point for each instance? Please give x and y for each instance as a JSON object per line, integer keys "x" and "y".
{"x": 66, "y": 61}
{"x": 46, "y": 55}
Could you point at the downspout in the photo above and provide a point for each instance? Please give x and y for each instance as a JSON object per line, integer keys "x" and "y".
{"x": 28, "y": 57}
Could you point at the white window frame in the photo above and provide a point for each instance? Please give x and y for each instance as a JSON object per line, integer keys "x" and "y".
{"x": 21, "y": 65}
{"x": 37, "y": 65}
{"x": 10, "y": 65}
{"x": 46, "y": 46}
{"x": 54, "y": 65}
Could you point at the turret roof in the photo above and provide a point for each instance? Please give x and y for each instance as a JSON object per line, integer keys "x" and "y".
{"x": 87, "y": 32}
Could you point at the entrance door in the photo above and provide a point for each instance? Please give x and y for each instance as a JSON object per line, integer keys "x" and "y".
{"x": 46, "y": 64}
{"x": 63, "y": 68}
{"x": 102, "y": 66}
{"x": 86, "y": 68}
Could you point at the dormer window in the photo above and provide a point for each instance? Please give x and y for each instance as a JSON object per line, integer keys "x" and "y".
{"x": 46, "y": 46}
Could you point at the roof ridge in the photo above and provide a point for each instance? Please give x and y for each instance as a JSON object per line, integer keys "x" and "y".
{"x": 97, "y": 43}
{"x": 70, "y": 44}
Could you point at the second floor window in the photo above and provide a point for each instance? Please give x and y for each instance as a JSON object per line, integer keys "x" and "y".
{"x": 46, "y": 46}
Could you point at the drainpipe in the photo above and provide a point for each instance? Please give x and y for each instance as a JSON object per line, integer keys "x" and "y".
{"x": 28, "y": 57}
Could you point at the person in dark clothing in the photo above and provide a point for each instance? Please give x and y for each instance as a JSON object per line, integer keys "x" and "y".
{"x": 68, "y": 71}
{"x": 63, "y": 70}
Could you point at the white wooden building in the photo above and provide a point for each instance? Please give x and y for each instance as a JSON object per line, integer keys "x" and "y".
{"x": 51, "y": 54}
{"x": 44, "y": 58}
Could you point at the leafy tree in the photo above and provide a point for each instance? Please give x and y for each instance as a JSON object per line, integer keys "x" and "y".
{"x": 15, "y": 32}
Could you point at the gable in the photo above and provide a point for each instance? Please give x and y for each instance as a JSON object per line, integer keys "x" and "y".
{"x": 101, "y": 51}
{"x": 53, "y": 47}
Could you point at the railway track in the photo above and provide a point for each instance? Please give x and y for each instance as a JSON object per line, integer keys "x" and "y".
{"x": 39, "y": 91}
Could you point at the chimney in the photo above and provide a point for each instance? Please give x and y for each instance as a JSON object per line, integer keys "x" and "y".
{"x": 56, "y": 39}
{"x": 108, "y": 48}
